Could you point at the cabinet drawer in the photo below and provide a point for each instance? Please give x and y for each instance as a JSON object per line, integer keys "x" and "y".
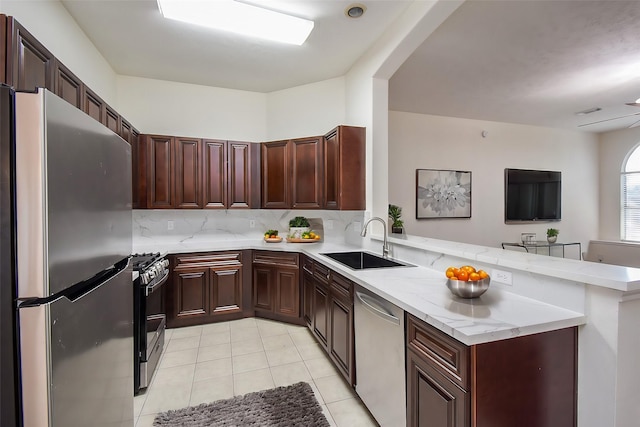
{"x": 307, "y": 264}
{"x": 450, "y": 356}
{"x": 341, "y": 284}
{"x": 321, "y": 272}
{"x": 282, "y": 259}
{"x": 208, "y": 259}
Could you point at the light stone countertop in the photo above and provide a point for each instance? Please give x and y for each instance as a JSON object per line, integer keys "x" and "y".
{"x": 419, "y": 290}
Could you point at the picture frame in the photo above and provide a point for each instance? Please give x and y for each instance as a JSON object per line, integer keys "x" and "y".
{"x": 442, "y": 193}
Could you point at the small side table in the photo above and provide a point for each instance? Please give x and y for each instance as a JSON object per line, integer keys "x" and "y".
{"x": 544, "y": 244}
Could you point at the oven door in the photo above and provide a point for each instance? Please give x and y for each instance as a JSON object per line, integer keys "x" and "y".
{"x": 151, "y": 323}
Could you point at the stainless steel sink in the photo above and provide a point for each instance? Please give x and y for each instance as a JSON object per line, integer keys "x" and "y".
{"x": 360, "y": 260}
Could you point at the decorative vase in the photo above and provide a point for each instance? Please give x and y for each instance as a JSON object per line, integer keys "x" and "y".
{"x": 397, "y": 230}
{"x": 296, "y": 232}
{"x": 552, "y": 239}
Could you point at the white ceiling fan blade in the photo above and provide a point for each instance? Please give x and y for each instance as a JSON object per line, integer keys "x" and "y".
{"x": 608, "y": 120}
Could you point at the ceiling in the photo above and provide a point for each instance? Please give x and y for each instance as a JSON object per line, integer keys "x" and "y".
{"x": 534, "y": 62}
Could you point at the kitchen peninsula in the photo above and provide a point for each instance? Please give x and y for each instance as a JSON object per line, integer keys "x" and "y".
{"x": 546, "y": 294}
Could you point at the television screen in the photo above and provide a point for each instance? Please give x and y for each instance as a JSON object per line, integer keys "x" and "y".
{"x": 532, "y": 195}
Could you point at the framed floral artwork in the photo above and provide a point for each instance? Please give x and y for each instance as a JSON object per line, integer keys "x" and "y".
{"x": 443, "y": 194}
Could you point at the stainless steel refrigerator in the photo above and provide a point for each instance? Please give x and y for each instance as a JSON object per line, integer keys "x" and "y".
{"x": 66, "y": 307}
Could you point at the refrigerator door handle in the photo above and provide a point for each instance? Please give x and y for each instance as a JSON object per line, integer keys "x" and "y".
{"x": 77, "y": 291}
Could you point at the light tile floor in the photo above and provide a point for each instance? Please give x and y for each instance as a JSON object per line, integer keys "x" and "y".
{"x": 206, "y": 363}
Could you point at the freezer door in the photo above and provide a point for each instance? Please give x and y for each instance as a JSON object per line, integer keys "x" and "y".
{"x": 77, "y": 358}
{"x": 73, "y": 195}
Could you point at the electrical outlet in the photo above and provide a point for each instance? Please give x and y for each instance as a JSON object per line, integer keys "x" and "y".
{"x": 252, "y": 223}
{"x": 170, "y": 225}
{"x": 328, "y": 224}
{"x": 500, "y": 276}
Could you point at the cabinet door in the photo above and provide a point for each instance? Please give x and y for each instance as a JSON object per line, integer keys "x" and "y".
{"x": 263, "y": 287}
{"x": 287, "y": 294}
{"x": 138, "y": 181}
{"x": 214, "y": 173}
{"x": 111, "y": 119}
{"x": 341, "y": 336}
{"x": 345, "y": 168}
{"x": 159, "y": 176}
{"x": 241, "y": 176}
{"x": 433, "y": 400}
{"x": 93, "y": 105}
{"x": 307, "y": 297}
{"x": 331, "y": 171}
{"x": 32, "y": 65}
{"x": 306, "y": 184}
{"x": 67, "y": 86}
{"x": 187, "y": 173}
{"x": 190, "y": 299}
{"x": 226, "y": 289}
{"x": 276, "y": 175}
{"x": 321, "y": 312}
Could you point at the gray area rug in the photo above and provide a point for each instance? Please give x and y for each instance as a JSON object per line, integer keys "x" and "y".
{"x": 294, "y": 405}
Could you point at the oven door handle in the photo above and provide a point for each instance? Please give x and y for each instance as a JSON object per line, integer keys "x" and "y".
{"x": 151, "y": 289}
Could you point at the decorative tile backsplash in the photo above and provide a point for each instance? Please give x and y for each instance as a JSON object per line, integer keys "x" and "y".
{"x": 202, "y": 224}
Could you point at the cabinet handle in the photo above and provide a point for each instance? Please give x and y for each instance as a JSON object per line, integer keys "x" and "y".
{"x": 377, "y": 308}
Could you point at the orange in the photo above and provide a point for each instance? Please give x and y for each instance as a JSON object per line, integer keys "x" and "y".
{"x": 483, "y": 274}
{"x": 463, "y": 275}
{"x": 449, "y": 274}
{"x": 474, "y": 277}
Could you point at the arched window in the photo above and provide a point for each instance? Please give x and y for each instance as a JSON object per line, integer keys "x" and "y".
{"x": 631, "y": 197}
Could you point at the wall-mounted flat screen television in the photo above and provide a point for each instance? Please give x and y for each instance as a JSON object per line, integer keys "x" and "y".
{"x": 532, "y": 195}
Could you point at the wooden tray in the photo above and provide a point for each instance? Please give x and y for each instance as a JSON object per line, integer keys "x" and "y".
{"x": 273, "y": 239}
{"x": 292, "y": 240}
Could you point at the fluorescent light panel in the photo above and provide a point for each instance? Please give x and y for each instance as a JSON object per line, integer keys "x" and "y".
{"x": 240, "y": 18}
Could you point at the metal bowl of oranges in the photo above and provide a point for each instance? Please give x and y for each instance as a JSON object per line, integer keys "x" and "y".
{"x": 467, "y": 282}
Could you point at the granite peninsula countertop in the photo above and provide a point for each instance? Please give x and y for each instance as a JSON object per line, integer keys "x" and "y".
{"x": 419, "y": 290}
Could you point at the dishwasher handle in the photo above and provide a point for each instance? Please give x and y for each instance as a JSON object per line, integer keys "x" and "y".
{"x": 375, "y": 307}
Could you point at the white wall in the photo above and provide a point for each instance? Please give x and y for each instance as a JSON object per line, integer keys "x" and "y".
{"x": 51, "y": 24}
{"x": 307, "y": 110}
{"x": 170, "y": 108}
{"x": 614, "y": 148}
{"x": 418, "y": 141}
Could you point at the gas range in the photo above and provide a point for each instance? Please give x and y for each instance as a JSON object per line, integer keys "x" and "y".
{"x": 152, "y": 268}
{"x": 149, "y": 315}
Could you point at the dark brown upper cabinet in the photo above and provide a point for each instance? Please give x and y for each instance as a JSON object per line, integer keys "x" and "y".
{"x": 112, "y": 119}
{"x": 187, "y": 173}
{"x": 306, "y": 168}
{"x": 192, "y": 173}
{"x": 276, "y": 175}
{"x": 67, "y": 86}
{"x": 231, "y": 176}
{"x": 292, "y": 174}
{"x": 28, "y": 63}
{"x": 155, "y": 186}
{"x": 93, "y": 105}
{"x": 344, "y": 168}
{"x": 316, "y": 172}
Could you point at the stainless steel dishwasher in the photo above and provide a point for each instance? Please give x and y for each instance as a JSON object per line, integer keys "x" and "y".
{"x": 380, "y": 357}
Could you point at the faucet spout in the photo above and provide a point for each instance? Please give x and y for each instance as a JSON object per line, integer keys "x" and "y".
{"x": 385, "y": 244}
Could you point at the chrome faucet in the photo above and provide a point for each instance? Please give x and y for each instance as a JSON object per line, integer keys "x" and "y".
{"x": 385, "y": 244}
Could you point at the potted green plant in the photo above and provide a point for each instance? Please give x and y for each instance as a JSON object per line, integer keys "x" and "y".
{"x": 395, "y": 212}
{"x": 552, "y": 235}
{"x": 297, "y": 226}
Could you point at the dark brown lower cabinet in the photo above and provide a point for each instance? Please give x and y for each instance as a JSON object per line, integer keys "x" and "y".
{"x": 527, "y": 381}
{"x": 276, "y": 286}
{"x": 328, "y": 311}
{"x": 208, "y": 287}
{"x": 342, "y": 343}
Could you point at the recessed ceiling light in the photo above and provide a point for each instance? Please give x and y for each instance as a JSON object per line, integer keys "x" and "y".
{"x": 356, "y": 10}
{"x": 239, "y": 18}
{"x": 588, "y": 111}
